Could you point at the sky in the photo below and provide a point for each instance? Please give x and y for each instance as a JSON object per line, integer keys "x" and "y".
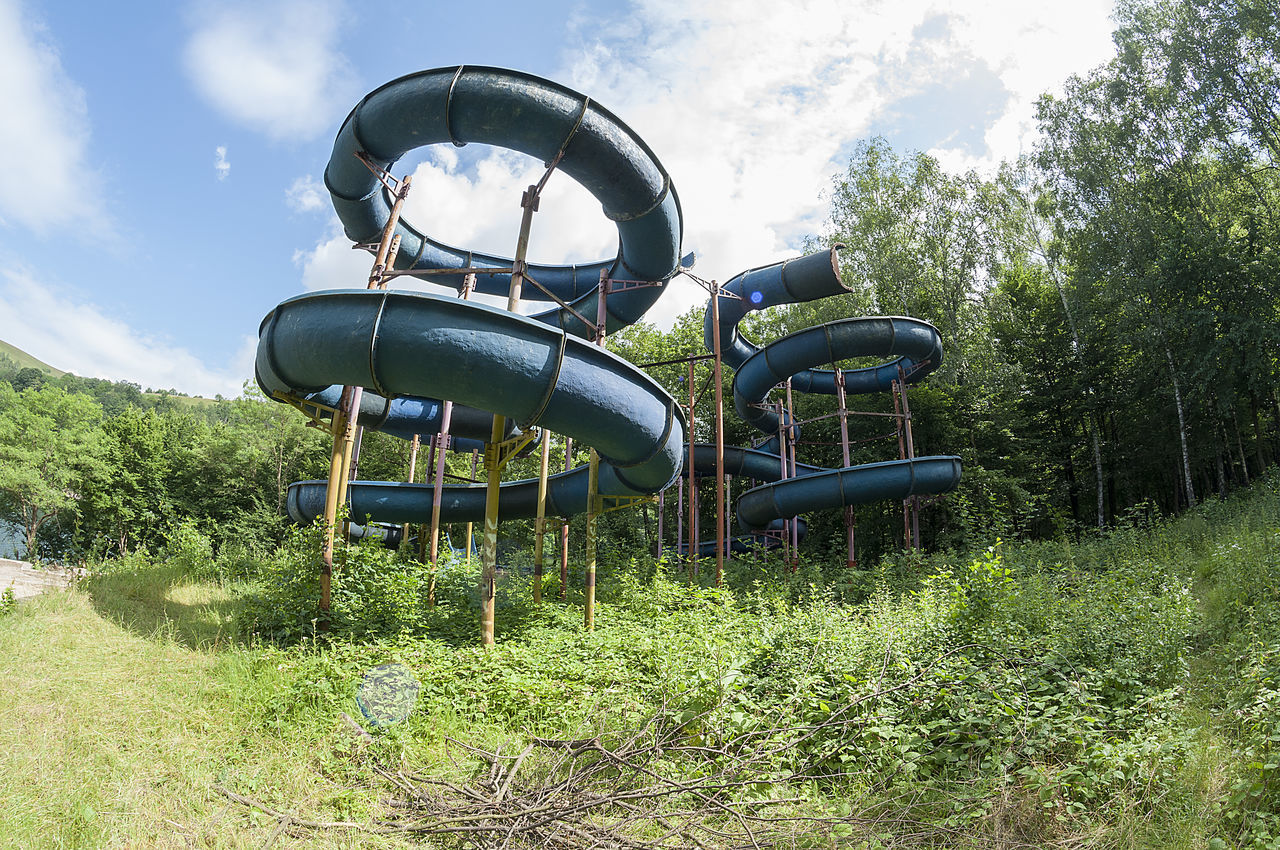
{"x": 161, "y": 162}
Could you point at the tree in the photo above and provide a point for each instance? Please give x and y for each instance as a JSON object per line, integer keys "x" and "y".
{"x": 49, "y": 441}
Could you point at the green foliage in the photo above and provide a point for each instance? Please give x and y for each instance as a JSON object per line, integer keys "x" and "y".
{"x": 8, "y": 602}
{"x": 374, "y": 592}
{"x": 189, "y": 551}
{"x": 50, "y": 443}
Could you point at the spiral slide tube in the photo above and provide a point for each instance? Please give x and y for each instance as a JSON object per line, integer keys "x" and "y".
{"x": 915, "y": 346}
{"x": 409, "y": 349}
{"x": 472, "y": 103}
{"x": 742, "y": 462}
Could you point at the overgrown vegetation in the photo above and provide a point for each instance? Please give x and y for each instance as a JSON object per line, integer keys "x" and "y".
{"x": 1117, "y": 691}
{"x": 1106, "y": 677}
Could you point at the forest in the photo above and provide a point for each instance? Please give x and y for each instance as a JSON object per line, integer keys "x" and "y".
{"x": 1106, "y": 305}
{"x": 1083, "y": 654}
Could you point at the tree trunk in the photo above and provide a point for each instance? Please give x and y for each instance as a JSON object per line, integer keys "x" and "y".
{"x": 1244, "y": 464}
{"x": 1257, "y": 433}
{"x": 1078, "y": 351}
{"x": 1182, "y": 428}
{"x": 1069, "y": 470}
{"x": 1097, "y": 467}
{"x": 1111, "y": 471}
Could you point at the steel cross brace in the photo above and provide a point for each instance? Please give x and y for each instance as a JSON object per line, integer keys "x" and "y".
{"x": 310, "y": 409}
{"x": 498, "y": 455}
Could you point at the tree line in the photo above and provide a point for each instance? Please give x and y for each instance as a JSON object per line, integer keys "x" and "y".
{"x": 1107, "y": 305}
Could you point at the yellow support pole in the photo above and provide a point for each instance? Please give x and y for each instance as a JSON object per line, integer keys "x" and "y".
{"x": 351, "y": 423}
{"x": 336, "y": 471}
{"x": 492, "y": 451}
{"x": 540, "y": 524}
{"x": 593, "y": 484}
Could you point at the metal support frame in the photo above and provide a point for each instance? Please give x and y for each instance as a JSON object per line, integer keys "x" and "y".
{"x": 791, "y": 445}
{"x": 691, "y": 551}
{"x": 494, "y": 458}
{"x": 540, "y": 523}
{"x": 564, "y": 527}
{"x": 346, "y": 419}
{"x": 851, "y": 559}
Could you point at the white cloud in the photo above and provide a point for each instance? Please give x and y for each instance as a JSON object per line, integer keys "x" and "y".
{"x": 272, "y": 66}
{"x": 306, "y": 194}
{"x": 45, "y": 179}
{"x": 221, "y": 165}
{"x": 753, "y": 113}
{"x": 1034, "y": 48}
{"x": 331, "y": 263}
{"x": 749, "y": 113}
{"x": 479, "y": 211}
{"x": 79, "y": 337}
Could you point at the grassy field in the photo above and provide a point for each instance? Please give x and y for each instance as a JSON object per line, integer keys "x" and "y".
{"x": 1117, "y": 691}
{"x": 117, "y": 732}
{"x": 25, "y": 360}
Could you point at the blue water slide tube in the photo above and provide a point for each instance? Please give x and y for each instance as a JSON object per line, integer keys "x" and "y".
{"x": 547, "y": 121}
{"x": 408, "y": 350}
{"x": 913, "y": 346}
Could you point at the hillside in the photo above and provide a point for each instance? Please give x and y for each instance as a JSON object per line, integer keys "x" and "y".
{"x": 25, "y": 360}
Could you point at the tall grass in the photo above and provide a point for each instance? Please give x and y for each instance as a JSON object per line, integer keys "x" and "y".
{"x": 1114, "y": 691}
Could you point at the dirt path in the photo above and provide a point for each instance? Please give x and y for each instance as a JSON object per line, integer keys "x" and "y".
{"x": 26, "y": 580}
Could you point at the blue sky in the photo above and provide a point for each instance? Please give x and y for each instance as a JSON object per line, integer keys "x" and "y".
{"x": 160, "y": 163}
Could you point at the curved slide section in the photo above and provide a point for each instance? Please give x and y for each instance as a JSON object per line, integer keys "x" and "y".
{"x": 914, "y": 346}
{"x": 409, "y": 349}
{"x": 414, "y": 343}
{"x": 547, "y": 121}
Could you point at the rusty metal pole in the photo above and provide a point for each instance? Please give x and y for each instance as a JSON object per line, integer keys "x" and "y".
{"x": 851, "y": 561}
{"x": 350, "y": 426}
{"x": 680, "y": 518}
{"x": 593, "y": 478}
{"x": 902, "y": 455}
{"x": 691, "y": 551}
{"x": 344, "y": 421}
{"x": 593, "y": 508}
{"x": 728, "y": 499}
{"x": 716, "y": 377}
{"x": 564, "y": 527}
{"x": 493, "y": 449}
{"x": 423, "y": 535}
{"x": 414, "y": 445}
{"x": 388, "y": 248}
{"x": 437, "y": 496}
{"x": 911, "y": 453}
{"x": 471, "y": 526}
{"x": 782, "y": 457}
{"x": 331, "y": 510}
{"x": 540, "y": 524}
{"x": 795, "y": 521}
{"x": 437, "y": 490}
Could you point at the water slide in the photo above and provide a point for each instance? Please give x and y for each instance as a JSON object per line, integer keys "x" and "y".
{"x": 914, "y": 346}
{"x": 411, "y": 349}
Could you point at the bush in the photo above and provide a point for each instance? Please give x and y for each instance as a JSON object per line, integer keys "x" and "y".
{"x": 187, "y": 549}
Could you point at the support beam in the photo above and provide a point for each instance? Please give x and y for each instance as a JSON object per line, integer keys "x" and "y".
{"x": 716, "y": 377}
{"x": 593, "y": 512}
{"x": 492, "y": 451}
{"x": 540, "y": 524}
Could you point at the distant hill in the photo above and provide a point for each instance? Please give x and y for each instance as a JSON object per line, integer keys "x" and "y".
{"x": 25, "y": 360}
